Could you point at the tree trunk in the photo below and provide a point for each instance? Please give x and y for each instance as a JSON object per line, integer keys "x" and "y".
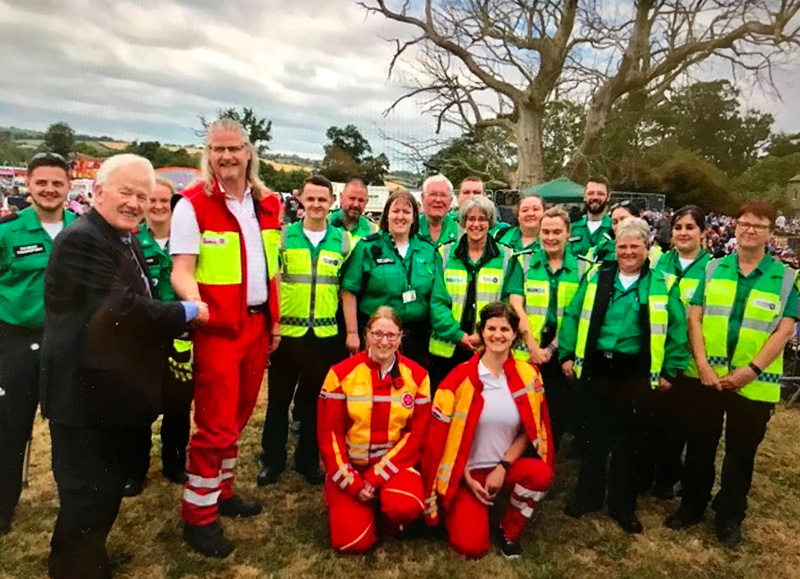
{"x": 528, "y": 131}
{"x": 580, "y": 164}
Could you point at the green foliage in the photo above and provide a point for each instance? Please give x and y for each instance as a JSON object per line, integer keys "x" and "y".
{"x": 782, "y": 144}
{"x": 373, "y": 169}
{"x": 345, "y": 157}
{"x": 161, "y": 156}
{"x": 89, "y": 149}
{"x": 59, "y": 138}
{"x": 563, "y": 129}
{"x": 10, "y": 152}
{"x": 350, "y": 141}
{"x": 486, "y": 153}
{"x": 283, "y": 181}
{"x": 259, "y": 130}
{"x": 768, "y": 178}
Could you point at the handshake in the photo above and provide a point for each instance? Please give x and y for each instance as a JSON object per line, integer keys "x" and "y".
{"x": 201, "y": 316}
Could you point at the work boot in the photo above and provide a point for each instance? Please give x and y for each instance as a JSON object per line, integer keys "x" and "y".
{"x": 176, "y": 476}
{"x": 510, "y": 549}
{"x": 314, "y": 475}
{"x": 208, "y": 540}
{"x": 683, "y": 519}
{"x": 238, "y": 508}
{"x": 729, "y": 533}
{"x": 269, "y": 475}
{"x": 132, "y": 488}
{"x": 576, "y": 508}
{"x": 629, "y": 523}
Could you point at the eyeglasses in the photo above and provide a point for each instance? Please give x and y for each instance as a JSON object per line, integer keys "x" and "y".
{"x": 377, "y": 335}
{"x": 756, "y": 227}
{"x": 233, "y": 149}
{"x": 480, "y": 219}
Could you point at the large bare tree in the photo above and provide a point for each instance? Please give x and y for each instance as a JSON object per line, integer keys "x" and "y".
{"x": 499, "y": 62}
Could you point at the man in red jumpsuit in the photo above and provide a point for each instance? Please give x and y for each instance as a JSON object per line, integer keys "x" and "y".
{"x": 224, "y": 240}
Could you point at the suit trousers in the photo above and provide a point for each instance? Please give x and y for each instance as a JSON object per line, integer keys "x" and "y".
{"x": 302, "y": 363}
{"x": 19, "y": 396}
{"x": 228, "y": 372}
{"x": 745, "y": 423}
{"x": 90, "y": 467}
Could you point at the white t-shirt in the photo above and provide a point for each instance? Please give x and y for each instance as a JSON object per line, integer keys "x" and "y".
{"x": 184, "y": 239}
{"x": 315, "y": 237}
{"x": 627, "y": 280}
{"x": 402, "y": 249}
{"x": 498, "y": 424}
{"x": 53, "y": 229}
{"x": 685, "y": 263}
{"x": 593, "y": 225}
{"x": 161, "y": 241}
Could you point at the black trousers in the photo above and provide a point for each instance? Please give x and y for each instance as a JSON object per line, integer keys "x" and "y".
{"x": 90, "y": 467}
{"x": 302, "y": 363}
{"x": 19, "y": 381}
{"x": 561, "y": 401}
{"x": 176, "y": 406}
{"x": 745, "y": 427}
{"x": 615, "y": 422}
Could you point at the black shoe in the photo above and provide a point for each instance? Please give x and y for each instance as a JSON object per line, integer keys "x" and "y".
{"x": 729, "y": 534}
{"x": 510, "y": 549}
{"x": 132, "y": 488}
{"x": 176, "y": 476}
{"x": 314, "y": 476}
{"x": 576, "y": 509}
{"x": 117, "y": 561}
{"x": 629, "y": 524}
{"x": 268, "y": 476}
{"x": 238, "y": 508}
{"x": 683, "y": 519}
{"x": 5, "y": 523}
{"x": 663, "y": 492}
{"x": 208, "y": 540}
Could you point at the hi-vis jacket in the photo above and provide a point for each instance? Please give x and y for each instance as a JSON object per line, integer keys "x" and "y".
{"x": 457, "y": 407}
{"x": 370, "y": 429}
{"x": 222, "y": 263}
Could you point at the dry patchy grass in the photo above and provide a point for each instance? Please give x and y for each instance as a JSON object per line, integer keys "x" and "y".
{"x": 290, "y": 540}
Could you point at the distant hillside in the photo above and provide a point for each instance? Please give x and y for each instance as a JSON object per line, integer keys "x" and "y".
{"x": 296, "y": 160}
{"x": 18, "y": 134}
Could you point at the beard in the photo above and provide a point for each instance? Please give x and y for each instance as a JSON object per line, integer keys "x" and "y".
{"x": 596, "y": 207}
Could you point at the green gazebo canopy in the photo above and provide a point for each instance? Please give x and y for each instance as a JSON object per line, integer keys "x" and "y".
{"x": 560, "y": 190}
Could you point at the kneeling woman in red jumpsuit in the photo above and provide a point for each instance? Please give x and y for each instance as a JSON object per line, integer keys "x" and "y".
{"x": 372, "y": 415}
{"x": 490, "y": 431}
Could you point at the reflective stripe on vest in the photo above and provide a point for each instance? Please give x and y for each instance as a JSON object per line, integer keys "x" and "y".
{"x": 310, "y": 289}
{"x": 763, "y": 313}
{"x": 659, "y": 320}
{"x": 488, "y": 289}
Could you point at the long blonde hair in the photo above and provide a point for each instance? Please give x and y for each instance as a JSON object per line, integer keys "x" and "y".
{"x": 207, "y": 173}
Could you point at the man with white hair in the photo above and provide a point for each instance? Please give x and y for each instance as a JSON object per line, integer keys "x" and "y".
{"x": 436, "y": 226}
{"x": 225, "y": 240}
{"x": 105, "y": 335}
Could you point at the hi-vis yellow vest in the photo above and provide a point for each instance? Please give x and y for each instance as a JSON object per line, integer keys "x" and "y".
{"x": 763, "y": 313}
{"x": 310, "y": 283}
{"x": 656, "y": 298}
{"x": 537, "y": 295}
{"x": 488, "y": 289}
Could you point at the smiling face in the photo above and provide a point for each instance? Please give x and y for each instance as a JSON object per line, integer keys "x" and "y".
{"x": 228, "y": 155}
{"x": 477, "y": 226}
{"x": 553, "y": 235}
{"x": 752, "y": 232}
{"x": 400, "y": 216}
{"x": 498, "y": 335}
{"x": 49, "y": 187}
{"x": 595, "y": 196}
{"x": 383, "y": 340}
{"x": 436, "y": 200}
{"x": 317, "y": 201}
{"x": 686, "y": 235}
{"x": 122, "y": 199}
{"x": 158, "y": 207}
{"x": 469, "y": 189}
{"x": 631, "y": 253}
{"x": 530, "y": 213}
{"x": 619, "y": 215}
{"x": 354, "y": 201}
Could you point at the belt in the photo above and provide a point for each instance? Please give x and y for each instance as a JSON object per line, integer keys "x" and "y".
{"x": 258, "y": 309}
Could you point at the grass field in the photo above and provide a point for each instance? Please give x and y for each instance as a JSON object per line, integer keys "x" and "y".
{"x": 290, "y": 538}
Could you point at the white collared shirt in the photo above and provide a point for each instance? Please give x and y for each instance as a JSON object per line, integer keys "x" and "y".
{"x": 185, "y": 240}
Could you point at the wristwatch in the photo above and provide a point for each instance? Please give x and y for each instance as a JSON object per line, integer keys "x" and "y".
{"x": 505, "y": 464}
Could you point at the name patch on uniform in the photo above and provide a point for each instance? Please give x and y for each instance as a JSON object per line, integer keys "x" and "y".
{"x": 407, "y": 400}
{"x": 330, "y": 261}
{"x": 30, "y": 249}
{"x": 536, "y": 289}
{"x": 767, "y": 305}
{"x": 214, "y": 241}
{"x": 151, "y": 261}
{"x": 574, "y": 238}
{"x": 384, "y": 260}
{"x": 452, "y": 279}
{"x": 493, "y": 279}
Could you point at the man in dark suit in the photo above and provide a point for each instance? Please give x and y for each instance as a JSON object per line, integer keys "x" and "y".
{"x": 103, "y": 346}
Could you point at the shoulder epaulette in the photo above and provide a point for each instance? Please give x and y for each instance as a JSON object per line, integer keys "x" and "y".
{"x": 521, "y": 251}
{"x": 372, "y": 236}
{"x": 9, "y": 218}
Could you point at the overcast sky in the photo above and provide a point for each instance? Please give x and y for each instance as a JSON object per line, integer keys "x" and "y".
{"x": 145, "y": 69}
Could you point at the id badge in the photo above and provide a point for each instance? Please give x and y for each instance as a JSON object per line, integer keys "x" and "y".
{"x": 409, "y": 296}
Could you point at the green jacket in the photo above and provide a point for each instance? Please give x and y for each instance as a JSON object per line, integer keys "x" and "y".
{"x": 512, "y": 238}
{"x": 413, "y": 286}
{"x": 24, "y": 249}
{"x": 582, "y": 239}
{"x": 363, "y": 228}
{"x": 159, "y": 262}
{"x": 448, "y": 234}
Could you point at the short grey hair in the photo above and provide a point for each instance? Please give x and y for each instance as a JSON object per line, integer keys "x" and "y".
{"x": 438, "y": 178}
{"x": 481, "y": 203}
{"x": 634, "y": 227}
{"x": 124, "y": 160}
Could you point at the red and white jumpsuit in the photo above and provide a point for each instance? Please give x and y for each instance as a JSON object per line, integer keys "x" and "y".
{"x": 371, "y": 430}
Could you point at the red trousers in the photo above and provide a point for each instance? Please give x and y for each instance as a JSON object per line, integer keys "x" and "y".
{"x": 228, "y": 373}
{"x": 467, "y": 520}
{"x": 353, "y": 523}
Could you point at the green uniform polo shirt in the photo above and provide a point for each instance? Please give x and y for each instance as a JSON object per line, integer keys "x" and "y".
{"x": 449, "y": 232}
{"x": 378, "y": 276}
{"x": 159, "y": 262}
{"x": 513, "y": 238}
{"x": 743, "y": 287}
{"x": 363, "y": 226}
{"x": 582, "y": 239}
{"x": 24, "y": 249}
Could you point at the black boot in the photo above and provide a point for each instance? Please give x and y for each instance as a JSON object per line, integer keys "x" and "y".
{"x": 269, "y": 475}
{"x": 729, "y": 533}
{"x": 238, "y": 508}
{"x": 208, "y": 540}
{"x": 683, "y": 519}
{"x": 313, "y": 475}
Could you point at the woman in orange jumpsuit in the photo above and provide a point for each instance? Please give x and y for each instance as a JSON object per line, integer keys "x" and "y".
{"x": 372, "y": 414}
{"x": 490, "y": 432}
